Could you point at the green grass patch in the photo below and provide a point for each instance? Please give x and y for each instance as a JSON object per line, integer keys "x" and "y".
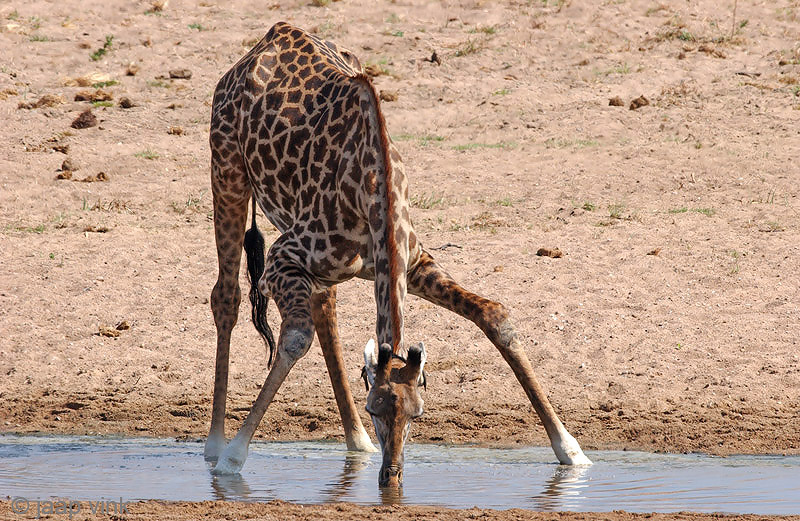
{"x": 473, "y": 146}
{"x": 485, "y": 29}
{"x": 147, "y": 154}
{"x": 196, "y": 26}
{"x": 566, "y": 143}
{"x": 708, "y": 212}
{"x": 426, "y": 201}
{"x": 501, "y": 92}
{"x": 39, "y": 38}
{"x": 103, "y": 84}
{"x": 102, "y": 104}
{"x": 682, "y": 209}
{"x": 589, "y": 206}
{"x": 423, "y": 139}
{"x": 469, "y": 47}
{"x": 105, "y": 49}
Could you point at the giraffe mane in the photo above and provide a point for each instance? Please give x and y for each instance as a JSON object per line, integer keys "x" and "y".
{"x": 391, "y": 211}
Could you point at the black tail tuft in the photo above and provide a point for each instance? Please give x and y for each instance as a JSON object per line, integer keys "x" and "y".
{"x": 254, "y": 249}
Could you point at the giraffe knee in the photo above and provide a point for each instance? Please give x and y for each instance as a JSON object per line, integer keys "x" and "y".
{"x": 496, "y": 324}
{"x": 294, "y": 343}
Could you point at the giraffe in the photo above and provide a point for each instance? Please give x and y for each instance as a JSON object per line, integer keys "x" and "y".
{"x": 297, "y": 129}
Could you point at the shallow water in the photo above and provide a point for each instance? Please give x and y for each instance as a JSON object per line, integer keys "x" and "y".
{"x": 91, "y": 468}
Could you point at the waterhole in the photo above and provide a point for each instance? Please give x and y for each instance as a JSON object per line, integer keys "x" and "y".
{"x": 91, "y": 468}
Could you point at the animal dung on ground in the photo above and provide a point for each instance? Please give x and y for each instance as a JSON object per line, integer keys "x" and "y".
{"x": 48, "y": 100}
{"x": 616, "y": 101}
{"x": 66, "y": 174}
{"x": 180, "y": 74}
{"x": 107, "y": 331}
{"x": 96, "y": 229}
{"x": 388, "y": 95}
{"x": 100, "y": 177}
{"x": 555, "y": 253}
{"x": 126, "y": 103}
{"x": 639, "y": 102}
{"x": 97, "y": 95}
{"x": 85, "y": 120}
{"x": 175, "y": 131}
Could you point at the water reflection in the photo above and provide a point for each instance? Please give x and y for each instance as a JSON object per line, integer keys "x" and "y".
{"x": 391, "y": 496}
{"x": 563, "y": 490}
{"x": 228, "y": 487}
{"x": 354, "y": 463}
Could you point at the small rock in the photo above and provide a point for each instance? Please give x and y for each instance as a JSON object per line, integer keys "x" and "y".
{"x": 655, "y": 251}
{"x": 126, "y": 103}
{"x": 639, "y": 102}
{"x": 132, "y": 69}
{"x": 68, "y": 165}
{"x": 175, "y": 131}
{"x": 550, "y": 252}
{"x": 388, "y": 95}
{"x": 85, "y": 120}
{"x": 180, "y": 74}
{"x": 498, "y": 269}
{"x": 616, "y": 101}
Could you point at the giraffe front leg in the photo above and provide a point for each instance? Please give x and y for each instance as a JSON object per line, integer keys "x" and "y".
{"x": 429, "y": 281}
{"x": 291, "y": 290}
{"x": 323, "y": 311}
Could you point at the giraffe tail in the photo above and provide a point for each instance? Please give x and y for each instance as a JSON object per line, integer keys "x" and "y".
{"x": 254, "y": 248}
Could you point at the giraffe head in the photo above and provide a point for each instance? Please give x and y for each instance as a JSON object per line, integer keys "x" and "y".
{"x": 393, "y": 402}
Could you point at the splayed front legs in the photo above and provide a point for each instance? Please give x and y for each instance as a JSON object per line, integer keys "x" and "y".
{"x": 430, "y": 282}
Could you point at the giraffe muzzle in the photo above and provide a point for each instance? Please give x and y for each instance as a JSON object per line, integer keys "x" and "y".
{"x": 391, "y": 476}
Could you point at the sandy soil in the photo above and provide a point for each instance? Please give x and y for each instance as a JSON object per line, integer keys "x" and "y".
{"x": 282, "y": 511}
{"x": 670, "y": 322}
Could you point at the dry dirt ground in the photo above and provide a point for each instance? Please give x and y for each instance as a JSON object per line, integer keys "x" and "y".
{"x": 670, "y": 322}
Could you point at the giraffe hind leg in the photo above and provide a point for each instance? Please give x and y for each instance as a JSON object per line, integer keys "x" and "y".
{"x": 429, "y": 281}
{"x": 231, "y": 194}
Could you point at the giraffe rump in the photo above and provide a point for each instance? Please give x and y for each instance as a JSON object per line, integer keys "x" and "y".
{"x": 254, "y": 248}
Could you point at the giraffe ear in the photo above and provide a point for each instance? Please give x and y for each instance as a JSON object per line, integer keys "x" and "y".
{"x": 416, "y": 363}
{"x": 370, "y": 362}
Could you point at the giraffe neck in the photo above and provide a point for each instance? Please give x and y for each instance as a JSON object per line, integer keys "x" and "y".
{"x": 389, "y": 224}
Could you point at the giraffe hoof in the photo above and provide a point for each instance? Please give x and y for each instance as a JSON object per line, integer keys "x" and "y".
{"x": 231, "y": 460}
{"x": 361, "y": 443}
{"x": 213, "y": 448}
{"x": 568, "y": 451}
